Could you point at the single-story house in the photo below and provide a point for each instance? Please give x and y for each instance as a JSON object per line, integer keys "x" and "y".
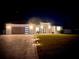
{"x": 43, "y": 27}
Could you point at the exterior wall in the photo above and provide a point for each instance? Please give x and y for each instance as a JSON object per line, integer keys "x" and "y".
{"x": 8, "y": 28}
{"x": 27, "y": 29}
{"x": 30, "y": 28}
{"x": 57, "y": 31}
{"x": 33, "y": 29}
{"x": 46, "y": 28}
{"x": 15, "y": 28}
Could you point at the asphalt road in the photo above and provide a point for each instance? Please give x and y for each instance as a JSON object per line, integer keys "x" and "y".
{"x": 18, "y": 47}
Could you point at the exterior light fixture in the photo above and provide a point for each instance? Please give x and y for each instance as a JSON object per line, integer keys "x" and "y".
{"x": 59, "y": 28}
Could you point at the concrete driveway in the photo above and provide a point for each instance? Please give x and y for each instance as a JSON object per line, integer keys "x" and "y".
{"x": 18, "y": 47}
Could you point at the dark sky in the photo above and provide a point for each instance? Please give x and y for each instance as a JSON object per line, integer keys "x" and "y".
{"x": 62, "y": 12}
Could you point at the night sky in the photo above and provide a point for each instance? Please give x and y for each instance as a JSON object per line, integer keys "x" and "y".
{"x": 61, "y": 12}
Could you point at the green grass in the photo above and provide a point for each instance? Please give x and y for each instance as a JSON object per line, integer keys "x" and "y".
{"x": 54, "y": 41}
{"x": 46, "y": 40}
{"x": 53, "y": 44}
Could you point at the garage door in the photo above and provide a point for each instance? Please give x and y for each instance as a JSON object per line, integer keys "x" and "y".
{"x": 18, "y": 30}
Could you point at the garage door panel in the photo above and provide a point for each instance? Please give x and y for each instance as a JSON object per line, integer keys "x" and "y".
{"x": 18, "y": 30}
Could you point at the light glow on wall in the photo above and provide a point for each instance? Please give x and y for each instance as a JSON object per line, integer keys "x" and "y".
{"x": 8, "y": 26}
{"x": 37, "y": 29}
{"x": 41, "y": 26}
{"x": 59, "y": 28}
{"x": 31, "y": 27}
{"x": 49, "y": 26}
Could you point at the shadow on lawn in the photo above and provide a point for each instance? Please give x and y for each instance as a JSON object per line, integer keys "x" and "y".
{"x": 2, "y": 50}
{"x": 67, "y": 50}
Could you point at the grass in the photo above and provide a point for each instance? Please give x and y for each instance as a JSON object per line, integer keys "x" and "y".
{"x": 52, "y": 45}
{"x": 54, "y": 39}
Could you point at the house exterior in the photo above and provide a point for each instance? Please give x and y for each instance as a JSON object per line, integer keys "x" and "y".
{"x": 44, "y": 28}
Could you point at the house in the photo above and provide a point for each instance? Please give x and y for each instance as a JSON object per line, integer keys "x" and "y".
{"x": 43, "y": 27}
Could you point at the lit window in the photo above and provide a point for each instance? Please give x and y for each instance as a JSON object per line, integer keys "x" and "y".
{"x": 59, "y": 28}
